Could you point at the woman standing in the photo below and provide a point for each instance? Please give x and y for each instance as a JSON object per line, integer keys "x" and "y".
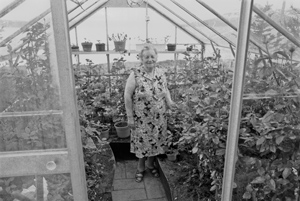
{"x": 146, "y": 100}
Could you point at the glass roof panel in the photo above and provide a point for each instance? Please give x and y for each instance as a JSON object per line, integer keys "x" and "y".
{"x": 275, "y": 73}
{"x": 284, "y": 13}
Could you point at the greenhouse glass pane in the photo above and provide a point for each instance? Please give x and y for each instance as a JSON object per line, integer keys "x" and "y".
{"x": 18, "y": 133}
{"x": 274, "y": 72}
{"x": 286, "y": 15}
{"x": 28, "y": 79}
{"x": 39, "y": 187}
{"x": 268, "y": 163}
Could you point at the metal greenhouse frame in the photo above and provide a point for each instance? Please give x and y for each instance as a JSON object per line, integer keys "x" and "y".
{"x": 239, "y": 49}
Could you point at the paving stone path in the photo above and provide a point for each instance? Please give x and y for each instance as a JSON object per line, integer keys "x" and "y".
{"x": 125, "y": 188}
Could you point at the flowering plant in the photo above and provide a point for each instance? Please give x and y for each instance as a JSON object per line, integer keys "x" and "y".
{"x": 86, "y": 41}
{"x": 118, "y": 37}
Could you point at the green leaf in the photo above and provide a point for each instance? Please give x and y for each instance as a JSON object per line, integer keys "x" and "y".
{"x": 216, "y": 140}
{"x": 286, "y": 172}
{"x": 282, "y": 53}
{"x": 256, "y": 63}
{"x": 249, "y": 188}
{"x": 279, "y": 139}
{"x": 271, "y": 92}
{"x": 247, "y": 195}
{"x": 272, "y": 184}
{"x": 260, "y": 141}
{"x": 267, "y": 117}
{"x": 195, "y": 150}
{"x": 272, "y": 148}
{"x": 258, "y": 180}
{"x": 261, "y": 171}
{"x": 283, "y": 181}
{"x": 220, "y": 152}
{"x": 214, "y": 187}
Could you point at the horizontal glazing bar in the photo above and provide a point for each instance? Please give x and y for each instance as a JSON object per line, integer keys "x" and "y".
{"x": 31, "y": 113}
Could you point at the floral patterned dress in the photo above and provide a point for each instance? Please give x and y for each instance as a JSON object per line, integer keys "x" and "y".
{"x": 149, "y": 112}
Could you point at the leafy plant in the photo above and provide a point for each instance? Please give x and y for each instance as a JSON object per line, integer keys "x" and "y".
{"x": 118, "y": 37}
{"x": 87, "y": 42}
{"x": 32, "y": 90}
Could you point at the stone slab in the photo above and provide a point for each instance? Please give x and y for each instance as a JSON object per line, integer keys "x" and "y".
{"x": 120, "y": 172}
{"x": 129, "y": 195}
{"x": 122, "y": 184}
{"x": 154, "y": 188}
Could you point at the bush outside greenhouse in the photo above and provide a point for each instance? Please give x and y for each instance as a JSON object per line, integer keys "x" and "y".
{"x": 235, "y": 76}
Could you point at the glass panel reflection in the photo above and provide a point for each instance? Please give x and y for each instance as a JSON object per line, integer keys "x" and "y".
{"x": 42, "y": 188}
{"x": 28, "y": 79}
{"x": 31, "y": 133}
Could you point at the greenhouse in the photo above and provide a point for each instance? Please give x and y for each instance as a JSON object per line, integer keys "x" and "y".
{"x": 230, "y": 110}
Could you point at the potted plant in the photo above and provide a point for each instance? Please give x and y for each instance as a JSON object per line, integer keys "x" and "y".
{"x": 122, "y": 129}
{"x": 189, "y": 47}
{"x": 87, "y": 45}
{"x": 171, "y": 46}
{"x": 75, "y": 48}
{"x": 103, "y": 128}
{"x": 172, "y": 147}
{"x": 119, "y": 40}
{"x": 100, "y": 46}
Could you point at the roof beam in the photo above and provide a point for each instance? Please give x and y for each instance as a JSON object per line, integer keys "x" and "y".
{"x": 29, "y": 24}
{"x": 255, "y": 41}
{"x": 77, "y": 5}
{"x": 204, "y": 23}
{"x": 10, "y": 7}
{"x": 97, "y": 6}
{"x": 82, "y": 11}
{"x": 276, "y": 26}
{"x": 199, "y": 31}
{"x": 166, "y": 17}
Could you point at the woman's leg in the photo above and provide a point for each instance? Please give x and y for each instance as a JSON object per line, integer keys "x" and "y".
{"x": 150, "y": 162}
{"x": 139, "y": 175}
{"x": 141, "y": 164}
{"x": 151, "y": 167}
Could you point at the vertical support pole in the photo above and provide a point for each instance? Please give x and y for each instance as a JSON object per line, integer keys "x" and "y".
{"x": 236, "y": 99}
{"x": 175, "y": 58}
{"x": 107, "y": 55}
{"x": 147, "y": 21}
{"x": 68, "y": 98}
{"x": 76, "y": 36}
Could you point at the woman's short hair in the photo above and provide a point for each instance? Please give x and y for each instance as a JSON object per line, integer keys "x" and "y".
{"x": 147, "y": 46}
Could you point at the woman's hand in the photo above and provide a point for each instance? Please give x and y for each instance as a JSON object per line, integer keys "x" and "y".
{"x": 130, "y": 123}
{"x": 172, "y": 105}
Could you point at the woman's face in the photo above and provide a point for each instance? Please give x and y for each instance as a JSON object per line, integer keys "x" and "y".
{"x": 149, "y": 58}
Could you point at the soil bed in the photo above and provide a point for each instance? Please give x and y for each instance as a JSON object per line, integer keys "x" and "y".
{"x": 100, "y": 167}
{"x": 177, "y": 173}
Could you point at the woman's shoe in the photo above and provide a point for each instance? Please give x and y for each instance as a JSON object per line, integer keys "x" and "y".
{"x": 139, "y": 176}
{"x": 154, "y": 172}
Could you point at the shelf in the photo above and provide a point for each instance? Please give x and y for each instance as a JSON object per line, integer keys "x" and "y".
{"x": 131, "y": 52}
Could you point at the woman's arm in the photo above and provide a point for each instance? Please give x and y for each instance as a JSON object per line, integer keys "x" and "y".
{"x": 169, "y": 100}
{"x": 129, "y": 89}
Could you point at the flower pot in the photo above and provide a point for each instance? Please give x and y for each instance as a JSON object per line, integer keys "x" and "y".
{"x": 75, "y": 48}
{"x": 104, "y": 134}
{"x": 171, "y": 47}
{"x": 189, "y": 48}
{"x": 122, "y": 129}
{"x": 172, "y": 156}
{"x": 100, "y": 47}
{"x": 120, "y": 46}
{"x": 87, "y": 47}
